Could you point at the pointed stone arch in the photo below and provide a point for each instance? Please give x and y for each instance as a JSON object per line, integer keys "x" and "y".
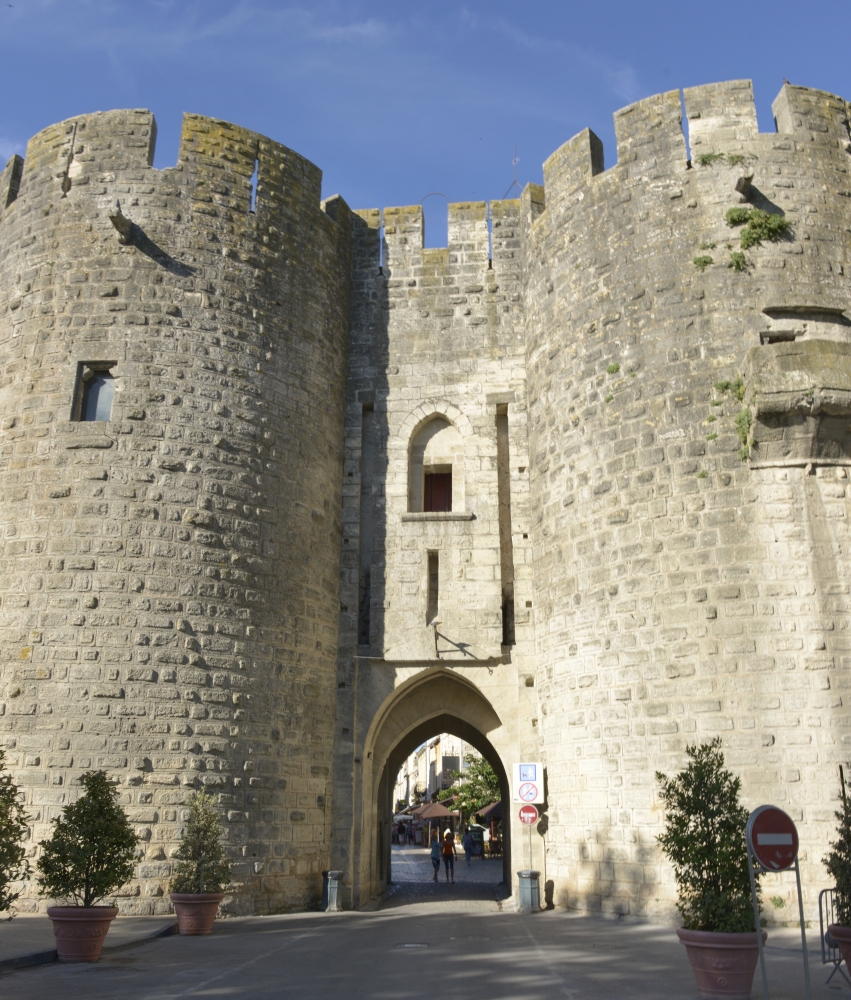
{"x": 433, "y": 701}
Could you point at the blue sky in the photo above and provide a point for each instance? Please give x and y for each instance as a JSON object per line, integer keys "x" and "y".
{"x": 396, "y": 100}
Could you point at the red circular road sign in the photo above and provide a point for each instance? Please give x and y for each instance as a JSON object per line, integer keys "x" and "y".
{"x": 772, "y": 838}
{"x": 528, "y": 815}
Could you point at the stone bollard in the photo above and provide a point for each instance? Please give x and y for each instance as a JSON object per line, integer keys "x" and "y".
{"x": 330, "y": 884}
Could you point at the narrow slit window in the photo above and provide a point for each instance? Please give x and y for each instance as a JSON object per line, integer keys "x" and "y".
{"x": 253, "y": 183}
{"x": 433, "y": 587}
{"x": 437, "y": 491}
{"x": 96, "y": 394}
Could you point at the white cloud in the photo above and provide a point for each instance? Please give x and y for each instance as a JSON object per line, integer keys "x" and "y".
{"x": 372, "y": 30}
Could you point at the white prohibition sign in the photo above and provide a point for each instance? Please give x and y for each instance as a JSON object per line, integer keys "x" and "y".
{"x": 528, "y": 792}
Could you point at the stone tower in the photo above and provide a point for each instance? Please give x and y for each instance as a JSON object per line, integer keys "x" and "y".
{"x": 169, "y": 575}
{"x": 573, "y": 488}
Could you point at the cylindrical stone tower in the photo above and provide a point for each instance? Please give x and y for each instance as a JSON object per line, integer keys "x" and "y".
{"x": 690, "y": 409}
{"x": 169, "y": 575}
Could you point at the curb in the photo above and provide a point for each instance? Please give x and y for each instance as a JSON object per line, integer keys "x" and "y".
{"x": 45, "y": 957}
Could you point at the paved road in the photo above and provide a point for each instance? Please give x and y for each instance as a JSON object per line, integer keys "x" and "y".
{"x": 455, "y": 950}
{"x": 413, "y": 879}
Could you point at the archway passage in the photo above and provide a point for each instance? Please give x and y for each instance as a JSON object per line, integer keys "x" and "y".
{"x": 437, "y": 700}
{"x": 411, "y": 876}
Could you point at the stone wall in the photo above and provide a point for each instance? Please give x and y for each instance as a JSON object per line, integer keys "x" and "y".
{"x": 681, "y": 591}
{"x": 233, "y": 584}
{"x": 168, "y": 578}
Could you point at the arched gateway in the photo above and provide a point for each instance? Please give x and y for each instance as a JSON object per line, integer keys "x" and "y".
{"x": 433, "y": 700}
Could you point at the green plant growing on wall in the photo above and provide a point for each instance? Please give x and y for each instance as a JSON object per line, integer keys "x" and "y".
{"x": 707, "y": 159}
{"x": 702, "y": 262}
{"x": 91, "y": 852}
{"x": 711, "y": 437}
{"x": 763, "y": 226}
{"x": 613, "y": 368}
{"x": 608, "y": 398}
{"x": 737, "y": 216}
{"x": 711, "y": 418}
{"x": 744, "y": 422}
{"x": 702, "y": 474}
{"x": 758, "y": 226}
{"x": 708, "y": 246}
{"x": 738, "y": 262}
{"x": 704, "y": 839}
{"x": 201, "y": 862}
{"x": 14, "y": 866}
{"x": 838, "y": 863}
{"x": 736, "y": 387}
{"x": 734, "y": 159}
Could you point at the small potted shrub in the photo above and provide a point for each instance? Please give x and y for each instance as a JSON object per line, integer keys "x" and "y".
{"x": 838, "y": 863}
{"x": 14, "y": 866}
{"x": 202, "y": 872}
{"x": 704, "y": 840}
{"x": 90, "y": 855}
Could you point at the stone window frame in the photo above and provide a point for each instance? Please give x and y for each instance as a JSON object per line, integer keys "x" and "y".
{"x": 86, "y": 370}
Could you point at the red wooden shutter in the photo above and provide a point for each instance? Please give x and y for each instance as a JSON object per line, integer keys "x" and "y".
{"x": 437, "y": 491}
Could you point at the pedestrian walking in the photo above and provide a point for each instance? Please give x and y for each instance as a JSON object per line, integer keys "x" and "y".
{"x": 449, "y": 853}
{"x": 435, "y": 854}
{"x": 467, "y": 844}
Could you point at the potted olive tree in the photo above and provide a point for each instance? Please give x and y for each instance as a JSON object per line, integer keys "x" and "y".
{"x": 90, "y": 855}
{"x": 704, "y": 840}
{"x": 838, "y": 863}
{"x": 14, "y": 866}
{"x": 202, "y": 872}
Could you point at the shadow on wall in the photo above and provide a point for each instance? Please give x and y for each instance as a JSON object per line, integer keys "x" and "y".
{"x": 370, "y": 320}
{"x": 617, "y": 870}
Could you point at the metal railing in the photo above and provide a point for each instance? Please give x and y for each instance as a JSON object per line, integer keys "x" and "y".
{"x": 829, "y": 948}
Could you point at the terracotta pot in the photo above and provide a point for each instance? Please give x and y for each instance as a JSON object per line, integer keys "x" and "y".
{"x": 723, "y": 964}
{"x": 196, "y": 911}
{"x": 842, "y": 936}
{"x": 80, "y": 930}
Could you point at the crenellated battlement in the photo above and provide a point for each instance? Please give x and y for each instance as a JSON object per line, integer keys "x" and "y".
{"x": 721, "y": 120}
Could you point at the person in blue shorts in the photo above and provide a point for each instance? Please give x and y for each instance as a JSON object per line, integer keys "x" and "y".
{"x": 449, "y": 855}
{"x": 435, "y": 854}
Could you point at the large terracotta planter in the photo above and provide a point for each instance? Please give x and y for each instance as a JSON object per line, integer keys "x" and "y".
{"x": 80, "y": 930}
{"x": 842, "y": 936}
{"x": 196, "y": 911}
{"x": 723, "y": 964}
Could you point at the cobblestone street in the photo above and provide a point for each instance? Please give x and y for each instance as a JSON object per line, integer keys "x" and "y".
{"x": 412, "y": 878}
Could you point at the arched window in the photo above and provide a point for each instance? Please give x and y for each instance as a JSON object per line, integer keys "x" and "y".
{"x": 436, "y": 469}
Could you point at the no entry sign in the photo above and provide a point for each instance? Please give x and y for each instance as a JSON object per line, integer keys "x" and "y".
{"x": 772, "y": 838}
{"x": 528, "y": 815}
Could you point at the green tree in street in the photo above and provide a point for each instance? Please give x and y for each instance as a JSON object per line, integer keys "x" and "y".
{"x": 838, "y": 863}
{"x": 704, "y": 839}
{"x": 201, "y": 862}
{"x": 92, "y": 851}
{"x": 475, "y": 787}
{"x": 14, "y": 866}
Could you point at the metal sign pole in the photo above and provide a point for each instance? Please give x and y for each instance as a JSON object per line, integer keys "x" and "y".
{"x": 530, "y": 845}
{"x": 803, "y": 931}
{"x": 759, "y": 930}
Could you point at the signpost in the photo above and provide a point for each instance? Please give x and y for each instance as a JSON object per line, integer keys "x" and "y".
{"x": 527, "y": 790}
{"x": 528, "y": 815}
{"x": 772, "y": 844}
